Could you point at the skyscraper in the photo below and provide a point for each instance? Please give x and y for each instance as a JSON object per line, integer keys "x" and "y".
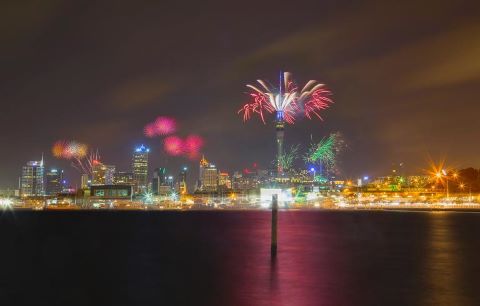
{"x": 208, "y": 176}
{"x": 182, "y": 181}
{"x": 102, "y": 174}
{"x": 32, "y": 180}
{"x": 140, "y": 168}
{"x": 98, "y": 173}
{"x": 109, "y": 174}
{"x": 224, "y": 180}
{"x": 85, "y": 181}
{"x": 53, "y": 181}
{"x": 159, "y": 179}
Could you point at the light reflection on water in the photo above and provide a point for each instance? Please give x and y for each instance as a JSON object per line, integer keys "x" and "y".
{"x": 223, "y": 258}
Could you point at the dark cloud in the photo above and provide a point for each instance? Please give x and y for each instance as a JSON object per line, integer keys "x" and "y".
{"x": 405, "y": 77}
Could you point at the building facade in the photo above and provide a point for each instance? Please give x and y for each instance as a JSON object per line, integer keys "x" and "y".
{"x": 182, "y": 181}
{"x": 85, "y": 181}
{"x": 109, "y": 174}
{"x": 140, "y": 169}
{"x": 123, "y": 178}
{"x": 208, "y": 181}
{"x": 53, "y": 182}
{"x": 32, "y": 182}
{"x": 99, "y": 171}
{"x": 159, "y": 179}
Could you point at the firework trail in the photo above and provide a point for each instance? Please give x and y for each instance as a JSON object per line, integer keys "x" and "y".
{"x": 288, "y": 159}
{"x": 76, "y": 152}
{"x": 287, "y": 101}
{"x": 322, "y": 152}
{"x": 325, "y": 153}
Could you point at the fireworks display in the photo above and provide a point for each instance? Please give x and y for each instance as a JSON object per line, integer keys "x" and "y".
{"x": 190, "y": 146}
{"x": 322, "y": 152}
{"x": 287, "y": 101}
{"x": 68, "y": 150}
{"x": 58, "y": 149}
{"x": 288, "y": 159}
{"x": 77, "y": 153}
{"x": 174, "y": 145}
{"x": 325, "y": 153}
{"x": 162, "y": 126}
{"x": 193, "y": 145}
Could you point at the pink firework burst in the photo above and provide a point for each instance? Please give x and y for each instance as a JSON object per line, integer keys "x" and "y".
{"x": 150, "y": 130}
{"x": 193, "y": 145}
{"x": 174, "y": 145}
{"x": 165, "y": 125}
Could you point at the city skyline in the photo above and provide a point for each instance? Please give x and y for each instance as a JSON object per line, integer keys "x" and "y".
{"x": 391, "y": 84}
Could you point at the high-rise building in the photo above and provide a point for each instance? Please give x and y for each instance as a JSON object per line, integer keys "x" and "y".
{"x": 32, "y": 180}
{"x": 85, "y": 181}
{"x": 208, "y": 176}
{"x": 109, "y": 174}
{"x": 123, "y": 178}
{"x": 159, "y": 179}
{"x": 99, "y": 171}
{"x": 224, "y": 180}
{"x": 182, "y": 181}
{"x": 53, "y": 182}
{"x": 140, "y": 168}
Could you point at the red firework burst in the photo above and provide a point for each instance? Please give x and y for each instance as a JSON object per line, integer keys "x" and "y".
{"x": 174, "y": 145}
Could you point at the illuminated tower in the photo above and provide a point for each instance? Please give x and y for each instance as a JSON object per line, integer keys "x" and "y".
{"x": 140, "y": 168}
{"x": 280, "y": 127}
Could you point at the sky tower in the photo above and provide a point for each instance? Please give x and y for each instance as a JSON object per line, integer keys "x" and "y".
{"x": 287, "y": 102}
{"x": 280, "y": 130}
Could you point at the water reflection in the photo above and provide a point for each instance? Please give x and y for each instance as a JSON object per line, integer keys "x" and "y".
{"x": 223, "y": 258}
{"x": 443, "y": 263}
{"x": 303, "y": 273}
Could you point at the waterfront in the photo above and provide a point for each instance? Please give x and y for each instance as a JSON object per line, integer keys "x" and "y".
{"x": 222, "y": 258}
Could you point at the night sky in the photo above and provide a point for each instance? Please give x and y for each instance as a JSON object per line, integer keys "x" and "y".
{"x": 405, "y": 77}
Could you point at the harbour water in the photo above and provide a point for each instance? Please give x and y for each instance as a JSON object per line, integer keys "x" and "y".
{"x": 223, "y": 258}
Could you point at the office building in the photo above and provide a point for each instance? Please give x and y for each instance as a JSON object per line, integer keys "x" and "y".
{"x": 85, "y": 181}
{"x": 53, "y": 182}
{"x": 32, "y": 181}
{"x": 140, "y": 169}
{"x": 182, "y": 181}
{"x": 99, "y": 171}
{"x": 159, "y": 179}
{"x": 208, "y": 181}
{"x": 109, "y": 174}
{"x": 123, "y": 178}
{"x": 224, "y": 180}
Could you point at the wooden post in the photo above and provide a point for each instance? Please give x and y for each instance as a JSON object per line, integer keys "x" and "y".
{"x": 273, "y": 246}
